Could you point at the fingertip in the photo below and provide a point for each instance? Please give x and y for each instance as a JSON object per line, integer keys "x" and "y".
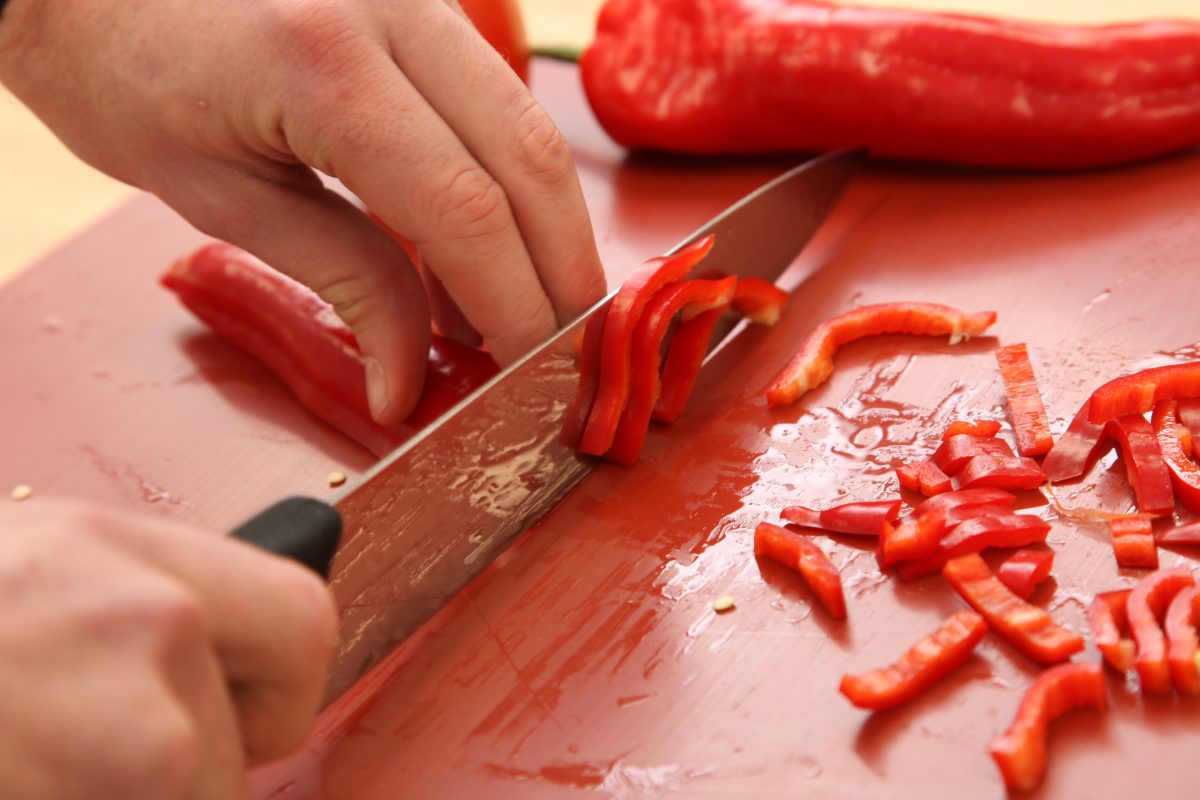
{"x": 395, "y": 371}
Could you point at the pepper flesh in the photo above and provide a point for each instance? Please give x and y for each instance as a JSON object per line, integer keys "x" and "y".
{"x": 924, "y": 477}
{"x": 1183, "y": 651}
{"x": 1025, "y": 407}
{"x": 688, "y": 348}
{"x": 1077, "y": 449}
{"x": 1185, "y": 475}
{"x": 864, "y": 518}
{"x": 979, "y": 427}
{"x": 1146, "y": 606}
{"x": 1021, "y": 752}
{"x": 1012, "y": 473}
{"x": 797, "y": 553}
{"x": 1144, "y": 464}
{"x": 955, "y": 451}
{"x": 926, "y": 663}
{"x": 575, "y": 418}
{"x": 813, "y": 363}
{"x": 1109, "y": 621}
{"x": 1183, "y": 534}
{"x": 1137, "y": 393}
{"x": 1027, "y": 627}
{"x": 759, "y": 301}
{"x": 1133, "y": 543}
{"x": 1024, "y": 570}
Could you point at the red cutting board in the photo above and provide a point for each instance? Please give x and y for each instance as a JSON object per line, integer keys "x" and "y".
{"x": 586, "y": 661}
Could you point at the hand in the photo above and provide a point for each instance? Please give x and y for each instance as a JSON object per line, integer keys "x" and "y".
{"x": 224, "y": 110}
{"x": 143, "y": 659}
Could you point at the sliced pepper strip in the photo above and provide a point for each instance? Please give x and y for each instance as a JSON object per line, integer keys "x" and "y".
{"x": 1146, "y": 606}
{"x": 1183, "y": 651}
{"x": 1189, "y": 415}
{"x": 1185, "y": 475}
{"x": 979, "y": 427}
{"x": 926, "y": 663}
{"x": 1077, "y": 449}
{"x": 1109, "y": 621}
{"x": 864, "y": 518}
{"x": 1012, "y": 473}
{"x": 1025, "y": 406}
{"x": 955, "y": 451}
{"x": 977, "y": 534}
{"x": 1133, "y": 543}
{"x": 1137, "y": 393}
{"x": 1144, "y": 464}
{"x": 966, "y": 498}
{"x": 686, "y": 299}
{"x": 797, "y": 553}
{"x": 924, "y": 477}
{"x": 612, "y": 391}
{"x": 577, "y": 413}
{"x": 759, "y": 301}
{"x": 1182, "y": 534}
{"x": 1024, "y": 570}
{"x": 1021, "y": 752}
{"x": 686, "y": 354}
{"x": 1027, "y": 627}
{"x": 813, "y": 364}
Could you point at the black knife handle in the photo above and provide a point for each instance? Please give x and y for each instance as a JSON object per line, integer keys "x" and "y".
{"x": 300, "y": 528}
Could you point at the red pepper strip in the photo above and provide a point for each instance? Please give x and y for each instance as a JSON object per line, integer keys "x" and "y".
{"x": 966, "y": 498}
{"x": 864, "y": 518}
{"x": 1133, "y": 543}
{"x": 1012, "y": 473}
{"x": 1109, "y": 622}
{"x": 759, "y": 301}
{"x": 1144, "y": 464}
{"x": 955, "y": 451}
{"x": 1183, "y": 652}
{"x": 296, "y": 335}
{"x": 912, "y": 538}
{"x": 979, "y": 427}
{"x": 1182, "y": 534}
{"x": 686, "y": 354}
{"x": 1027, "y": 627}
{"x": 624, "y": 312}
{"x": 1024, "y": 570}
{"x": 1147, "y": 604}
{"x": 929, "y": 660}
{"x": 976, "y": 534}
{"x": 923, "y": 477}
{"x": 797, "y": 553}
{"x": 1189, "y": 415}
{"x": 1077, "y": 449}
{"x": 1025, "y": 407}
{"x": 576, "y": 416}
{"x": 1185, "y": 475}
{"x": 1137, "y": 393}
{"x": 686, "y": 299}
{"x": 1021, "y": 752}
{"x": 810, "y": 367}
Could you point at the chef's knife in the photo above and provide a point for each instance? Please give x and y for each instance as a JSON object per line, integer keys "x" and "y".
{"x": 431, "y": 515}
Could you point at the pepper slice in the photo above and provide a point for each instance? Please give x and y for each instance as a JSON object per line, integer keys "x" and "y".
{"x": 1185, "y": 475}
{"x": 924, "y": 477}
{"x": 1027, "y": 627}
{"x": 979, "y": 427}
{"x": 929, "y": 660}
{"x": 966, "y": 498}
{"x": 813, "y": 364}
{"x": 1021, "y": 752}
{"x": 686, "y": 354}
{"x": 759, "y": 301}
{"x": 1183, "y": 652}
{"x": 1183, "y": 534}
{"x": 1012, "y": 473}
{"x": 1144, "y": 464}
{"x": 612, "y": 391}
{"x": 1025, "y": 406}
{"x": 865, "y": 518}
{"x": 1024, "y": 570}
{"x": 1146, "y": 606}
{"x": 1133, "y": 543}
{"x": 797, "y": 553}
{"x": 1137, "y": 393}
{"x": 976, "y": 534}
{"x": 1109, "y": 621}
{"x": 955, "y": 451}
{"x": 577, "y": 413}
{"x": 1077, "y": 449}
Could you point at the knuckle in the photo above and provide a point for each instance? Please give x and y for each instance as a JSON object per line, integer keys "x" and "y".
{"x": 472, "y": 204}
{"x": 541, "y": 149}
{"x": 321, "y": 33}
{"x": 354, "y": 298}
{"x": 157, "y": 756}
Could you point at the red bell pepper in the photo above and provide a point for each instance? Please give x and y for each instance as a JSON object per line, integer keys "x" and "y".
{"x": 759, "y": 301}
{"x": 1027, "y": 627}
{"x": 1148, "y": 473}
{"x": 1189, "y": 415}
{"x": 612, "y": 390}
{"x": 865, "y": 518}
{"x": 674, "y": 75}
{"x": 1185, "y": 475}
{"x": 912, "y": 538}
{"x": 1012, "y": 473}
{"x": 1021, "y": 752}
{"x": 1024, "y": 570}
{"x": 814, "y": 362}
{"x": 1183, "y": 650}
{"x": 924, "y": 477}
{"x": 929, "y": 660}
{"x": 1025, "y": 407}
{"x": 955, "y": 451}
{"x": 295, "y": 334}
{"x": 797, "y": 553}
{"x": 1188, "y": 534}
{"x": 966, "y": 498}
{"x": 577, "y": 413}
{"x": 1147, "y": 605}
{"x": 973, "y": 535}
{"x": 687, "y": 299}
{"x": 1077, "y": 449}
{"x": 1109, "y": 621}
{"x": 1133, "y": 543}
{"x": 979, "y": 427}
{"x": 688, "y": 349}
{"x": 1137, "y": 393}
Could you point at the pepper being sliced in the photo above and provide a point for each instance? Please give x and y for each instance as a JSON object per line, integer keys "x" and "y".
{"x": 1027, "y": 627}
{"x": 1077, "y": 449}
{"x": 688, "y": 348}
{"x": 1185, "y": 475}
{"x": 759, "y": 301}
{"x": 1024, "y": 570}
{"x": 612, "y": 390}
{"x": 1183, "y": 649}
{"x": 814, "y": 362}
{"x": 797, "y": 553}
{"x": 863, "y": 518}
{"x": 1021, "y": 752}
{"x": 1137, "y": 393}
{"x": 1133, "y": 543}
{"x": 575, "y": 418}
{"x": 1012, "y": 473}
{"x": 956, "y": 450}
{"x": 1025, "y": 407}
{"x": 924, "y": 477}
{"x": 1147, "y": 604}
{"x": 1144, "y": 465}
{"x": 926, "y": 663}
{"x": 1109, "y": 621}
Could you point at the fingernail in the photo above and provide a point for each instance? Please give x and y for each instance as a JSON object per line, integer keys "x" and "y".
{"x": 377, "y": 388}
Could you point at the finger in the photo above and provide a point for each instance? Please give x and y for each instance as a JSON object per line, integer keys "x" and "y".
{"x": 513, "y": 138}
{"x": 320, "y": 239}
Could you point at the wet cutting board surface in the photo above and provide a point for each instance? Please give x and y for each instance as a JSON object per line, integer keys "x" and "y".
{"x": 587, "y": 660}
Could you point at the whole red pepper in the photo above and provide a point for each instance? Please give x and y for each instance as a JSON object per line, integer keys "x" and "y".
{"x": 738, "y": 76}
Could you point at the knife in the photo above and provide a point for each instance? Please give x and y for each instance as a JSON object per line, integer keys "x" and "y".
{"x": 432, "y": 514}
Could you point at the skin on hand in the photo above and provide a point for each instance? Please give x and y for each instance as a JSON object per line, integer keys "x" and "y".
{"x": 141, "y": 658}
{"x": 228, "y": 111}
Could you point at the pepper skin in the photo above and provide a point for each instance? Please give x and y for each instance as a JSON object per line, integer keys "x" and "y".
{"x": 1109, "y": 621}
{"x": 1147, "y": 604}
{"x": 797, "y": 553}
{"x": 1024, "y": 570}
{"x": 1133, "y": 543}
{"x": 1183, "y": 651}
{"x": 1025, "y": 407}
{"x": 977, "y": 534}
{"x": 1012, "y": 473}
{"x": 1184, "y": 534}
{"x": 924, "y": 477}
{"x": 1144, "y": 464}
{"x": 863, "y": 518}
{"x": 979, "y": 427}
{"x": 955, "y": 451}
{"x": 1137, "y": 393}
{"x": 1077, "y": 449}
{"x": 1185, "y": 475}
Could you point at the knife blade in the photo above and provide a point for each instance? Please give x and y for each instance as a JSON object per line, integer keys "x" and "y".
{"x": 431, "y": 515}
